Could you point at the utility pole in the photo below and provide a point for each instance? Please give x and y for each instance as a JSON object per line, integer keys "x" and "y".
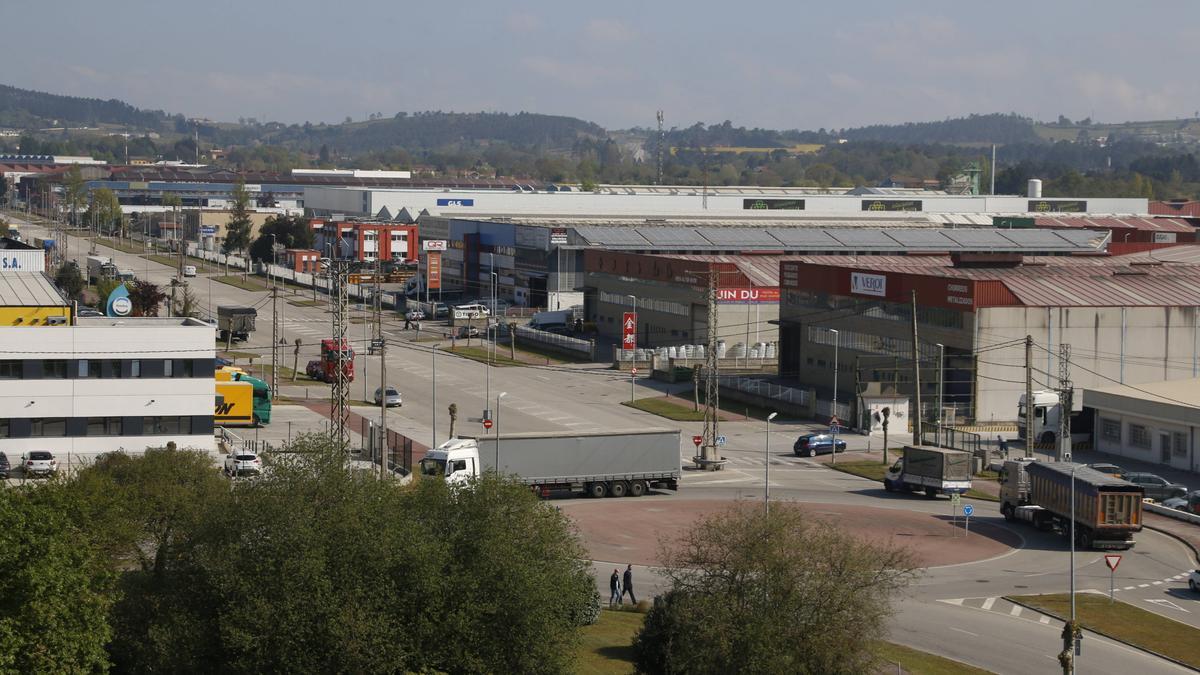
{"x": 710, "y": 456}
{"x": 339, "y": 393}
{"x": 661, "y": 142}
{"x": 274, "y": 342}
{"x": 1029, "y": 396}
{"x": 1065, "y": 392}
{"x": 383, "y": 400}
{"x": 915, "y": 415}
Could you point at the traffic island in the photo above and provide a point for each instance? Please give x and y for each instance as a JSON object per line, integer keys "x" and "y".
{"x": 1122, "y": 622}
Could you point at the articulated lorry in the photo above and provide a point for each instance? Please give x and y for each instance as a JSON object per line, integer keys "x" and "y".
{"x": 1108, "y": 510}
{"x": 236, "y": 323}
{"x": 600, "y": 464}
{"x": 325, "y": 368}
{"x": 934, "y": 470}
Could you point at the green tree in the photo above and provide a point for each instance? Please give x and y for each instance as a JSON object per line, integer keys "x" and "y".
{"x": 780, "y": 593}
{"x": 105, "y": 212}
{"x": 237, "y": 230}
{"x": 146, "y": 298}
{"x": 57, "y": 589}
{"x": 70, "y": 280}
{"x": 74, "y": 192}
{"x": 289, "y": 231}
{"x": 186, "y": 303}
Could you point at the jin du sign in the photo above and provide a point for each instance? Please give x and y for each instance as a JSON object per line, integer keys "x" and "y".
{"x": 629, "y": 330}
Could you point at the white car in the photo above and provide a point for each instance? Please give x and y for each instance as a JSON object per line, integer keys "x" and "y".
{"x": 1194, "y": 581}
{"x": 189, "y": 270}
{"x": 393, "y": 397}
{"x": 243, "y": 464}
{"x": 39, "y": 463}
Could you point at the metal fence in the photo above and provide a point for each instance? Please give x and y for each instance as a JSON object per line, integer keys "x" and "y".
{"x": 586, "y": 348}
{"x": 953, "y": 438}
{"x": 843, "y": 412}
{"x": 766, "y": 389}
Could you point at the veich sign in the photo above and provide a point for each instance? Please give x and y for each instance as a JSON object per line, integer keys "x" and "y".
{"x": 434, "y": 244}
{"x": 862, "y": 283}
{"x": 433, "y": 269}
{"x": 629, "y": 330}
{"x": 748, "y": 295}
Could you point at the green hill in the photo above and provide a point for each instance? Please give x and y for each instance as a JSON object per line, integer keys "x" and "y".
{"x": 27, "y": 109}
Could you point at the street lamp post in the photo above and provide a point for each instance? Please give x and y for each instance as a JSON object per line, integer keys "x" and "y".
{"x": 433, "y": 394}
{"x": 940, "y": 387}
{"x": 269, "y": 269}
{"x": 767, "y": 468}
{"x": 837, "y": 341}
{"x": 498, "y": 397}
{"x": 1072, "y": 643}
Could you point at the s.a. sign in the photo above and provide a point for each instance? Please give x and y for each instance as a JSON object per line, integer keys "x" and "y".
{"x": 862, "y": 283}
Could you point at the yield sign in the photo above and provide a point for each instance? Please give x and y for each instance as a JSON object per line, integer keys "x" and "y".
{"x": 1112, "y": 561}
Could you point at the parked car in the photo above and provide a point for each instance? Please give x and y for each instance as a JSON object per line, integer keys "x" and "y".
{"x": 1189, "y": 503}
{"x": 1110, "y": 469}
{"x": 39, "y": 463}
{"x": 243, "y": 464}
{"x": 414, "y": 315}
{"x": 89, "y": 311}
{"x": 1194, "y": 581}
{"x": 464, "y": 332}
{"x": 440, "y": 309}
{"x": 189, "y": 270}
{"x": 393, "y": 397}
{"x": 4, "y": 466}
{"x": 811, "y": 445}
{"x": 1156, "y": 487}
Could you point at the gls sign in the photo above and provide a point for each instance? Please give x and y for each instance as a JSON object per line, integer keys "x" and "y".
{"x": 862, "y": 283}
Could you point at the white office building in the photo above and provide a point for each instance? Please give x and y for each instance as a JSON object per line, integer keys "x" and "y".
{"x": 105, "y": 384}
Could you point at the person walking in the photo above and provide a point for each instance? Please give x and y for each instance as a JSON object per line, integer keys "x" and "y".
{"x": 614, "y": 585}
{"x": 629, "y": 584}
{"x": 1003, "y": 445}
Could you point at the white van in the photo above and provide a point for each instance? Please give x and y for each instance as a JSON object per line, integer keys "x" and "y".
{"x": 189, "y": 270}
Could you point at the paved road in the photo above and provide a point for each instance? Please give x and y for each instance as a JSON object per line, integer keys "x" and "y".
{"x": 953, "y": 610}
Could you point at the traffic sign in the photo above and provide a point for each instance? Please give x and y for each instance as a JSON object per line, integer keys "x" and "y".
{"x": 487, "y": 424}
{"x": 833, "y": 428}
{"x": 968, "y": 510}
{"x": 697, "y": 440}
{"x": 1112, "y": 560}
{"x": 833, "y": 422}
{"x": 720, "y": 440}
{"x": 955, "y": 499}
{"x": 633, "y": 371}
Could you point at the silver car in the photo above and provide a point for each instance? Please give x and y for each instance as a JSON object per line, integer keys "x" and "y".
{"x": 393, "y": 397}
{"x": 39, "y": 463}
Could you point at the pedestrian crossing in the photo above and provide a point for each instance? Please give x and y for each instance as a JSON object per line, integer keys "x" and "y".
{"x": 1168, "y": 580}
{"x": 999, "y": 605}
{"x": 795, "y": 463}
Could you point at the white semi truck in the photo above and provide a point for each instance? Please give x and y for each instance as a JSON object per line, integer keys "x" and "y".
{"x": 600, "y": 464}
{"x": 1047, "y": 418}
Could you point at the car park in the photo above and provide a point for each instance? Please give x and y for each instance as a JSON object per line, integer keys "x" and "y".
{"x": 393, "y": 397}
{"x": 243, "y": 464}
{"x": 811, "y": 445}
{"x": 189, "y": 270}
{"x": 1156, "y": 487}
{"x": 39, "y": 463}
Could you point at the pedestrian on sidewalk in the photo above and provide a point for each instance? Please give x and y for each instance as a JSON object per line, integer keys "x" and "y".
{"x": 1003, "y": 445}
{"x": 407, "y": 321}
{"x": 629, "y": 584}
{"x": 614, "y": 585}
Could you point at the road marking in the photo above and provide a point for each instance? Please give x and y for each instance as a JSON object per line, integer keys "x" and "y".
{"x": 987, "y": 604}
{"x": 1129, "y": 588}
{"x": 1157, "y": 583}
{"x": 953, "y": 601}
{"x": 1143, "y": 585}
{"x": 1015, "y": 611}
{"x": 1168, "y": 603}
{"x": 964, "y": 631}
{"x": 1044, "y": 619}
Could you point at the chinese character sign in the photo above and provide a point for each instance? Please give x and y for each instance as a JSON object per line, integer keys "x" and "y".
{"x": 629, "y": 331}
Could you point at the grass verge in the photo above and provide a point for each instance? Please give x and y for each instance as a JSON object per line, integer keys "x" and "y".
{"x": 922, "y": 663}
{"x": 306, "y": 303}
{"x": 668, "y": 409}
{"x": 548, "y": 356}
{"x": 480, "y": 354}
{"x": 235, "y": 355}
{"x": 865, "y": 468}
{"x": 607, "y": 646}
{"x": 173, "y": 261}
{"x": 1125, "y": 622}
{"x": 136, "y": 249}
{"x": 247, "y": 284}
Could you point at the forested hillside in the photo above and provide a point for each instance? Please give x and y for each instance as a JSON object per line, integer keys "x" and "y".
{"x": 24, "y": 108}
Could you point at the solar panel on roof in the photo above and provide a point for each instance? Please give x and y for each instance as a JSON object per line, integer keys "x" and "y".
{"x": 863, "y": 238}
{"x": 923, "y": 239}
{"x": 610, "y": 236}
{"x": 803, "y": 237}
{"x": 978, "y": 238}
{"x": 737, "y": 236}
{"x": 1040, "y": 239}
{"x": 673, "y": 236}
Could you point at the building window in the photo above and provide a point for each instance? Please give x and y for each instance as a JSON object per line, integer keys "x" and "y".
{"x": 114, "y": 367}
{"x": 1139, "y": 436}
{"x": 1110, "y": 430}
{"x": 135, "y": 368}
{"x": 166, "y": 426}
{"x": 49, "y": 427}
{"x": 54, "y": 369}
{"x": 1179, "y": 444}
{"x": 168, "y": 368}
{"x": 5, "y": 427}
{"x": 104, "y": 426}
{"x": 11, "y": 370}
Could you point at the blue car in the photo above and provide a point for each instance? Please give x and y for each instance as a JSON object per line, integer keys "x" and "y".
{"x": 811, "y": 445}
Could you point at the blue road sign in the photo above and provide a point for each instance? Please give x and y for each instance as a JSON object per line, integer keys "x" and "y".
{"x": 834, "y": 428}
{"x": 720, "y": 440}
{"x": 968, "y": 510}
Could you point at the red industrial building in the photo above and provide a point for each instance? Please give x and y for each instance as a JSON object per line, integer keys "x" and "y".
{"x": 303, "y": 260}
{"x": 367, "y": 241}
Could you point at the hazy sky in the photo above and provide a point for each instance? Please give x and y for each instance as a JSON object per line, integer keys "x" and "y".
{"x": 770, "y": 64}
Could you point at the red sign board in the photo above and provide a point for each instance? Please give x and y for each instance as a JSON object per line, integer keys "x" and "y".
{"x": 697, "y": 440}
{"x": 487, "y": 424}
{"x": 629, "y": 330}
{"x": 633, "y": 371}
{"x": 1112, "y": 560}
{"x": 748, "y": 295}
{"x": 433, "y": 269}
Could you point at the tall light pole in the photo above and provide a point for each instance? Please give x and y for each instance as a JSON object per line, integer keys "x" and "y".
{"x": 269, "y": 269}
{"x": 833, "y": 428}
{"x": 941, "y": 378}
{"x": 492, "y": 313}
{"x": 767, "y": 468}
{"x": 498, "y": 397}
{"x": 433, "y": 397}
{"x": 1070, "y": 647}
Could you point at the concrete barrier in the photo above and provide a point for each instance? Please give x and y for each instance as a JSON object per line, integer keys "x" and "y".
{"x": 1171, "y": 513}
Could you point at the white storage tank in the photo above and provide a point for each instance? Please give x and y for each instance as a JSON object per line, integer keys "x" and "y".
{"x": 1035, "y": 188}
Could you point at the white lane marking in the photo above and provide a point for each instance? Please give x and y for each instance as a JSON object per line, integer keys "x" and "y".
{"x": 965, "y": 631}
{"x": 1129, "y": 588}
{"x": 1143, "y": 585}
{"x": 1157, "y": 583}
{"x": 987, "y": 604}
{"x": 953, "y": 601}
{"x": 1044, "y": 619}
{"x": 1015, "y": 611}
{"x": 1168, "y": 603}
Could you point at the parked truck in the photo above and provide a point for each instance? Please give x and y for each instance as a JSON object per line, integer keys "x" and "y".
{"x": 600, "y": 464}
{"x": 1107, "y": 513}
{"x": 235, "y": 322}
{"x": 1047, "y": 419}
{"x": 929, "y": 469}
{"x": 100, "y": 267}
{"x": 325, "y": 368}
